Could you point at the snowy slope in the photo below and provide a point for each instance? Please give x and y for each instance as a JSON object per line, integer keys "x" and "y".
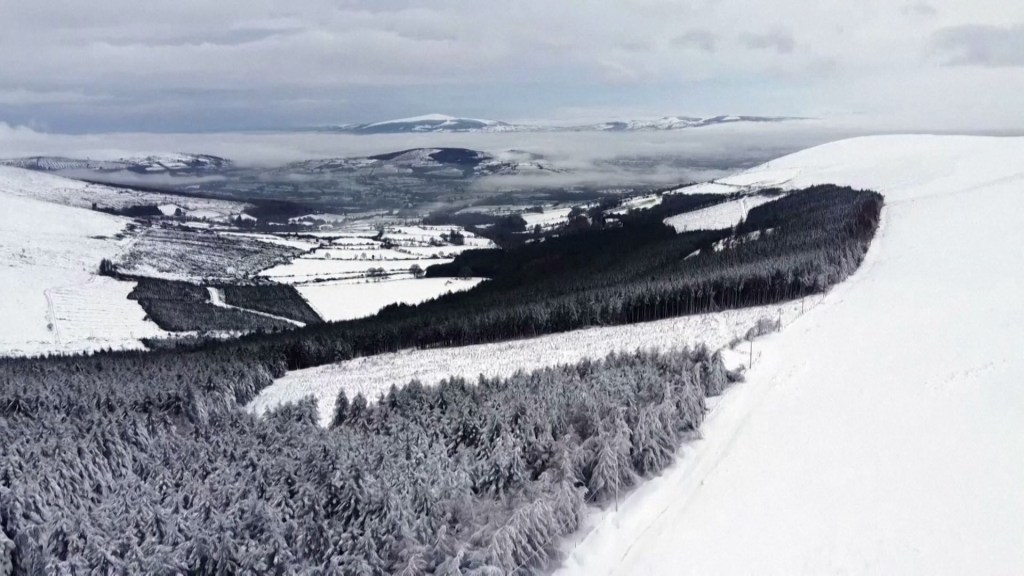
{"x": 724, "y": 215}
{"x": 40, "y": 185}
{"x": 49, "y": 255}
{"x": 884, "y": 430}
{"x": 374, "y": 375}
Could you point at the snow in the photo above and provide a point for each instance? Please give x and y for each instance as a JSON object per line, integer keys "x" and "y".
{"x": 59, "y": 190}
{"x": 289, "y": 241}
{"x": 638, "y": 203}
{"x": 412, "y": 119}
{"x": 335, "y": 301}
{"x": 880, "y": 433}
{"x": 430, "y": 118}
{"x": 707, "y": 188}
{"x": 374, "y": 375}
{"x": 97, "y": 314}
{"x": 50, "y": 253}
{"x": 724, "y": 215}
{"x": 353, "y": 251}
{"x": 303, "y": 270}
{"x": 762, "y": 178}
{"x": 549, "y": 218}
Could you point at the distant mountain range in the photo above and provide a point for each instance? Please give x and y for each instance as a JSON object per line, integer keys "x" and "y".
{"x": 423, "y": 162}
{"x": 174, "y": 164}
{"x": 440, "y": 123}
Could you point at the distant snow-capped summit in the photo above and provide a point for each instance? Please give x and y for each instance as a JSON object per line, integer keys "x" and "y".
{"x": 436, "y": 123}
{"x": 425, "y": 124}
{"x": 677, "y": 123}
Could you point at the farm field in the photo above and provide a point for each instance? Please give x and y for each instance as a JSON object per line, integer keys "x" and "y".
{"x": 336, "y": 301}
{"x": 306, "y": 270}
{"x": 353, "y": 251}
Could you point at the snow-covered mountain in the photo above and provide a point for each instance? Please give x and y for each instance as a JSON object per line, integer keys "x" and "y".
{"x": 878, "y": 433}
{"x": 437, "y": 123}
{"x": 452, "y": 162}
{"x": 175, "y": 164}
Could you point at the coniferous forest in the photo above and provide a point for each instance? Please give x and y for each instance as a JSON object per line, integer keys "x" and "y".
{"x": 144, "y": 462}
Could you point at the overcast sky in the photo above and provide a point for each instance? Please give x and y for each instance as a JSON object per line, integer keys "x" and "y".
{"x": 202, "y": 65}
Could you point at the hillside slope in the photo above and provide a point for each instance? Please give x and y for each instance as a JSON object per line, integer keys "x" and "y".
{"x": 52, "y": 298}
{"x": 883, "y": 432}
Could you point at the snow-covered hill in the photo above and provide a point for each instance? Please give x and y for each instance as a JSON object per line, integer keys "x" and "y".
{"x": 435, "y": 123}
{"x": 426, "y": 124}
{"x": 883, "y": 432}
{"x": 430, "y": 161}
{"x": 50, "y": 187}
{"x": 175, "y": 164}
{"x": 53, "y": 300}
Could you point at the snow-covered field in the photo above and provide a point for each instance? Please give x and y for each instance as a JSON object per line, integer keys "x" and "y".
{"x": 549, "y": 218}
{"x": 53, "y": 300}
{"x": 304, "y": 270}
{"x": 335, "y": 301}
{"x": 638, "y": 203}
{"x": 882, "y": 432}
{"x": 374, "y": 375}
{"x": 98, "y": 314}
{"x": 724, "y": 215}
{"x": 355, "y": 250}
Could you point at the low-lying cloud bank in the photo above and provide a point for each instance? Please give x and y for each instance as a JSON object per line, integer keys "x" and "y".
{"x": 583, "y": 158}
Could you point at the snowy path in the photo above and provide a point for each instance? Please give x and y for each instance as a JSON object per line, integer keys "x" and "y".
{"x": 883, "y": 433}
{"x": 217, "y": 299}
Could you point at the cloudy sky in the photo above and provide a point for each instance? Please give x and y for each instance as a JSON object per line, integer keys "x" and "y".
{"x": 201, "y": 65}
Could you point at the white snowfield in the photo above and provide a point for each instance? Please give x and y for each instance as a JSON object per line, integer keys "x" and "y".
{"x": 757, "y": 179}
{"x": 884, "y": 431}
{"x": 346, "y": 300}
{"x": 53, "y": 300}
{"x": 724, "y": 215}
{"x": 374, "y": 375}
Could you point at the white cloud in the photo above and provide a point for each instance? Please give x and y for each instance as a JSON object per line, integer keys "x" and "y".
{"x": 529, "y": 56}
